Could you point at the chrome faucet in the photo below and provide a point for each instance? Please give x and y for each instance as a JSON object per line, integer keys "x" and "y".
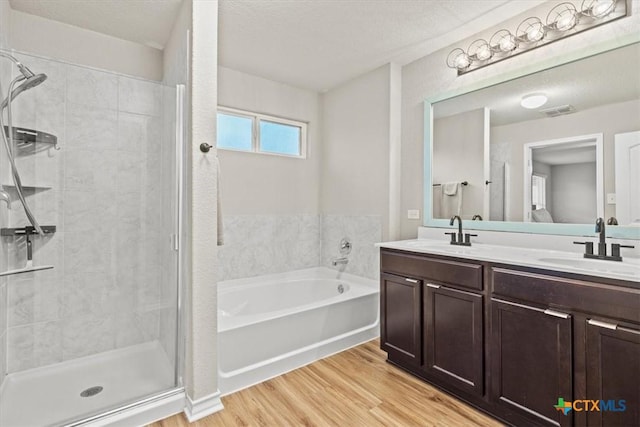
{"x": 461, "y": 240}
{"x": 339, "y": 261}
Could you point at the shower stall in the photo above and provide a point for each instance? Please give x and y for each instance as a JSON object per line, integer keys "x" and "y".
{"x": 89, "y": 213}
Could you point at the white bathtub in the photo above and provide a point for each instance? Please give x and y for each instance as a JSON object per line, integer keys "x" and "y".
{"x": 269, "y": 325}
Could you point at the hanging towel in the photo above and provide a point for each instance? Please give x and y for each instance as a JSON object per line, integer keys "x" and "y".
{"x": 451, "y": 199}
{"x": 219, "y": 205}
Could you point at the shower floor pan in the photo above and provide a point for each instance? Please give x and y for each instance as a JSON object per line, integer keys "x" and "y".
{"x": 53, "y": 394}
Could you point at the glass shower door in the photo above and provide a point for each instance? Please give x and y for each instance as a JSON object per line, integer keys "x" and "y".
{"x": 99, "y": 330}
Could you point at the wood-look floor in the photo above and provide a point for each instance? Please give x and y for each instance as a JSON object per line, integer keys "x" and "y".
{"x": 354, "y": 388}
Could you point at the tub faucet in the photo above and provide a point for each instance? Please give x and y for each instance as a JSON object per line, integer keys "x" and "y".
{"x": 339, "y": 261}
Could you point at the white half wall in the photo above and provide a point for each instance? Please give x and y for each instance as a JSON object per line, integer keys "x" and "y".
{"x": 52, "y": 39}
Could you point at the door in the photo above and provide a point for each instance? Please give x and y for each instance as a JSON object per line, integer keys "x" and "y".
{"x": 627, "y": 157}
{"x": 531, "y": 363}
{"x": 453, "y": 343}
{"x": 400, "y": 326}
{"x": 613, "y": 372}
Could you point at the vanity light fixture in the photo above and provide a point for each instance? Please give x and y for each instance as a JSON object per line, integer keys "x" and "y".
{"x": 533, "y": 101}
{"x": 563, "y": 20}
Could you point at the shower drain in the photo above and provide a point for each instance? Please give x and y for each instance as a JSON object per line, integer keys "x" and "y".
{"x": 91, "y": 391}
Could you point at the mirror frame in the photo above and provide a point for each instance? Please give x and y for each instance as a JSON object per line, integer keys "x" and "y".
{"x": 624, "y": 232}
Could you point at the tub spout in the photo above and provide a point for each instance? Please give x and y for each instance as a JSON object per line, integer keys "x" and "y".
{"x": 339, "y": 261}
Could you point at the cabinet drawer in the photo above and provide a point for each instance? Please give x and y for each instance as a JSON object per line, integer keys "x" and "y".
{"x": 458, "y": 274}
{"x": 590, "y": 297}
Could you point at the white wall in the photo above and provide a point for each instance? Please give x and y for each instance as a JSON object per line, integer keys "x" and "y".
{"x": 52, "y": 39}
{"x": 429, "y": 77}
{"x": 261, "y": 184}
{"x": 458, "y": 156}
{"x": 357, "y": 146}
{"x": 573, "y": 193}
{"x": 201, "y": 373}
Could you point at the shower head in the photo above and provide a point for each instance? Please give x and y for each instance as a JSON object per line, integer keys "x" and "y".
{"x": 27, "y": 83}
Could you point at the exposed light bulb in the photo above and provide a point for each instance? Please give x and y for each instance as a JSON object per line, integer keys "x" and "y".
{"x": 535, "y": 33}
{"x": 533, "y": 100}
{"x": 566, "y": 22}
{"x": 483, "y": 52}
{"x": 507, "y": 43}
{"x": 602, "y": 8}
{"x": 461, "y": 61}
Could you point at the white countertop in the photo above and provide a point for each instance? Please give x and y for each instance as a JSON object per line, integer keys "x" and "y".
{"x": 628, "y": 269}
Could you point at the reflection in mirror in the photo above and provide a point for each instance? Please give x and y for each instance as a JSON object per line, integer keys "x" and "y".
{"x": 482, "y": 137}
{"x": 563, "y": 180}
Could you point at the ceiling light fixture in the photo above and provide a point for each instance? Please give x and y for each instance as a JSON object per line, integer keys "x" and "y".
{"x": 533, "y": 101}
{"x": 563, "y": 20}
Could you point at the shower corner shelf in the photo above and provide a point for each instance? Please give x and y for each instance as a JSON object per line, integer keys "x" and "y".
{"x": 28, "y": 186}
{"x": 29, "y": 137}
{"x": 28, "y": 230}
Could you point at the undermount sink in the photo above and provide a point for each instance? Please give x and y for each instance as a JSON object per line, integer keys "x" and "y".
{"x": 596, "y": 265}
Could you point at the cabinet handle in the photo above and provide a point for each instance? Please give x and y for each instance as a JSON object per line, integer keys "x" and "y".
{"x": 556, "y": 313}
{"x": 411, "y": 280}
{"x": 607, "y": 325}
{"x": 431, "y": 285}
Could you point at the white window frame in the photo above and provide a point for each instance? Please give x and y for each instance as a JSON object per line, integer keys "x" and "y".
{"x": 256, "y": 118}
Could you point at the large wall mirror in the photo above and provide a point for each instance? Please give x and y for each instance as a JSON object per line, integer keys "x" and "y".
{"x": 548, "y": 152}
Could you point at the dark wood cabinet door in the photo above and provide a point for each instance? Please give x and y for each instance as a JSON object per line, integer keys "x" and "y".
{"x": 531, "y": 363}
{"x": 400, "y": 318}
{"x": 613, "y": 373}
{"x": 453, "y": 340}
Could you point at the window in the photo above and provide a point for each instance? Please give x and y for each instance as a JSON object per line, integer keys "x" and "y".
{"x": 538, "y": 192}
{"x": 253, "y": 132}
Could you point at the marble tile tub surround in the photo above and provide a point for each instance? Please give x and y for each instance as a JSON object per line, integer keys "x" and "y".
{"x": 104, "y": 191}
{"x": 266, "y": 244}
{"x": 364, "y": 231}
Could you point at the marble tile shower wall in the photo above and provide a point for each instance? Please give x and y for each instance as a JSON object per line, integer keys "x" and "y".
{"x": 267, "y": 244}
{"x": 102, "y": 191}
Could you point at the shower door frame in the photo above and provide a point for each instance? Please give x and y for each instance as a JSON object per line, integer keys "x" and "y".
{"x": 178, "y": 390}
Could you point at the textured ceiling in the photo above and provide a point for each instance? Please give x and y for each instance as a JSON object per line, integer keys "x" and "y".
{"x": 147, "y": 22}
{"x": 318, "y": 44}
{"x": 314, "y": 44}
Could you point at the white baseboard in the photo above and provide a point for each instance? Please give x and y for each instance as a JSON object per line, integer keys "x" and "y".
{"x": 200, "y": 408}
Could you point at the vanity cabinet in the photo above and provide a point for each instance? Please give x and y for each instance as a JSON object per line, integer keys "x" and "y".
{"x": 512, "y": 340}
{"x": 400, "y": 323}
{"x": 613, "y": 371}
{"x": 453, "y": 339}
{"x": 531, "y": 361}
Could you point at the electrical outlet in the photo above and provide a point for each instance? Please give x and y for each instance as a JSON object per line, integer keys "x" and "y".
{"x": 413, "y": 214}
{"x": 611, "y": 198}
